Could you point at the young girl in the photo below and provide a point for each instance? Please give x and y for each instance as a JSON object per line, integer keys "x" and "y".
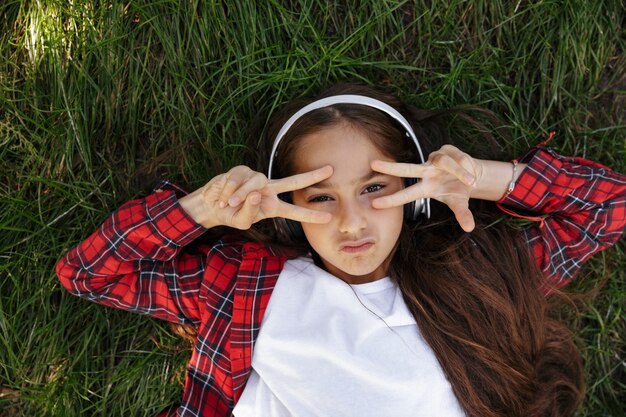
{"x": 355, "y": 292}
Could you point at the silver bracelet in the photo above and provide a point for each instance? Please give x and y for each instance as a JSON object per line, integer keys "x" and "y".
{"x": 512, "y": 183}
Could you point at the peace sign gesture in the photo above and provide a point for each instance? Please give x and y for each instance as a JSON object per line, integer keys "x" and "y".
{"x": 242, "y": 197}
{"x": 449, "y": 176}
{"x": 452, "y": 177}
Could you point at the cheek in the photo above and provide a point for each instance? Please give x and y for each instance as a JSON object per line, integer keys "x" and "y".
{"x": 316, "y": 232}
{"x": 394, "y": 218}
{"x": 318, "y": 237}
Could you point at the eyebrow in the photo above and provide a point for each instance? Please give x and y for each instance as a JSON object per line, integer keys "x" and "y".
{"x": 365, "y": 178}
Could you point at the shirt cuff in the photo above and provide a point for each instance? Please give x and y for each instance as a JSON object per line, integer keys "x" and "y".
{"x": 170, "y": 219}
{"x": 533, "y": 184}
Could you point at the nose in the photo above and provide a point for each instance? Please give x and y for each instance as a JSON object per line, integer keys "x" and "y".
{"x": 352, "y": 217}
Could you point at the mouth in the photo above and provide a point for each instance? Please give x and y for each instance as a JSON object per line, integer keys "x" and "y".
{"x": 357, "y": 246}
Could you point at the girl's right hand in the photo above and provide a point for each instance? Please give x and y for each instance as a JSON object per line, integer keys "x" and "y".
{"x": 242, "y": 197}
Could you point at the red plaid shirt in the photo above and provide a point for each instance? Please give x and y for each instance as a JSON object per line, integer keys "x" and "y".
{"x": 135, "y": 261}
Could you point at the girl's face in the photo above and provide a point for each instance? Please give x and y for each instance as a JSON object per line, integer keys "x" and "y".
{"x": 357, "y": 244}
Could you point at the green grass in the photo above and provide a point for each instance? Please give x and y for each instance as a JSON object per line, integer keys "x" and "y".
{"x": 99, "y": 99}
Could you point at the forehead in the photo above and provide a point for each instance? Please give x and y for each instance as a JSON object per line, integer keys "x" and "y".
{"x": 346, "y": 148}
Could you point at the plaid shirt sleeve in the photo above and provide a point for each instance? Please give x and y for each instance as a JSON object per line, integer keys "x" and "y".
{"x": 582, "y": 205}
{"x": 134, "y": 261}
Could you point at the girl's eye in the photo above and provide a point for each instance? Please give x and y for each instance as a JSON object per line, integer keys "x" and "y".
{"x": 319, "y": 199}
{"x": 373, "y": 188}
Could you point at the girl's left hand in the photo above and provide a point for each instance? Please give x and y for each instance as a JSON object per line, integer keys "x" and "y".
{"x": 448, "y": 176}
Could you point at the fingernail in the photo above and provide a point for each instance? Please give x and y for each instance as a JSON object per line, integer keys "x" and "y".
{"x": 469, "y": 179}
{"x": 234, "y": 200}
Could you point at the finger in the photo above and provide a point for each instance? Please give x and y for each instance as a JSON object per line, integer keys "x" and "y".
{"x": 234, "y": 178}
{"x": 450, "y": 159}
{"x": 301, "y": 214}
{"x": 400, "y": 169}
{"x": 462, "y": 214}
{"x": 255, "y": 182}
{"x": 244, "y": 217}
{"x": 213, "y": 189}
{"x": 299, "y": 181}
{"x": 399, "y": 198}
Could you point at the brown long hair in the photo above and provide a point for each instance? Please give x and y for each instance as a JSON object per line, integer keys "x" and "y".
{"x": 476, "y": 297}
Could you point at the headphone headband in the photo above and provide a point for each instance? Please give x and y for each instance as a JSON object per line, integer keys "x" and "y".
{"x": 422, "y": 205}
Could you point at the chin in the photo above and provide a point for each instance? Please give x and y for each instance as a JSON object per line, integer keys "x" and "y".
{"x": 360, "y": 269}
{"x": 360, "y": 275}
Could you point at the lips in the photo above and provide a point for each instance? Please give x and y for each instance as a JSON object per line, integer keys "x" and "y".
{"x": 356, "y": 246}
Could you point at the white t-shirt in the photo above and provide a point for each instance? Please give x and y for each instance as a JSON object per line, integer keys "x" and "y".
{"x": 327, "y": 348}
